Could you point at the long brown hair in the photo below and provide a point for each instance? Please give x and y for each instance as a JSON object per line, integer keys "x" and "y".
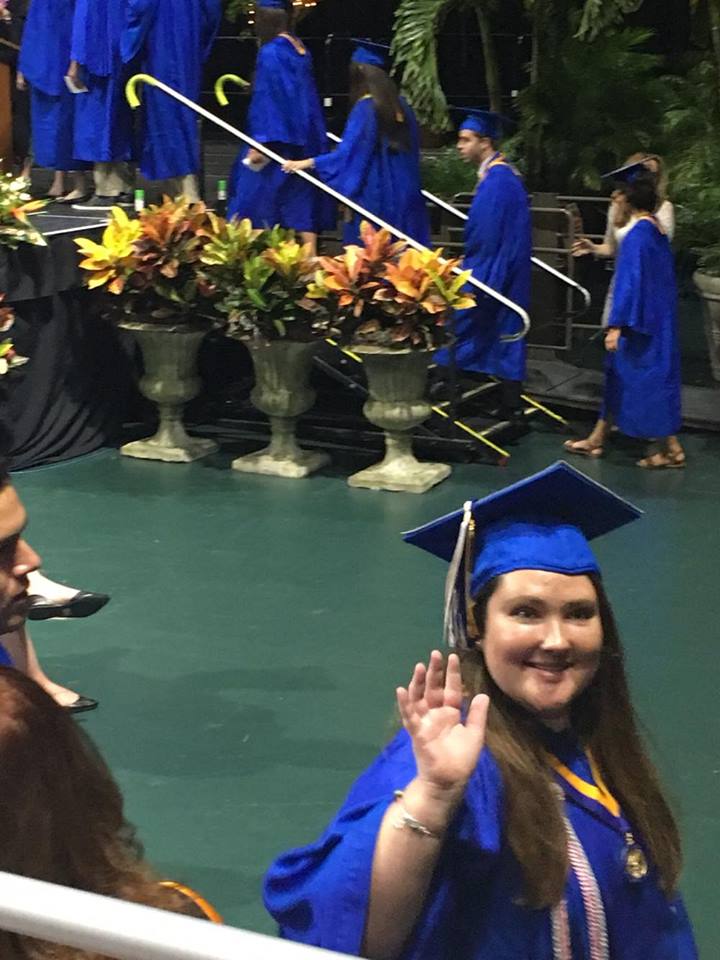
{"x": 368, "y": 80}
{"x": 61, "y": 813}
{"x": 604, "y": 720}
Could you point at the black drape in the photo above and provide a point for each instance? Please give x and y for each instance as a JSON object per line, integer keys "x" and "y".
{"x": 69, "y": 398}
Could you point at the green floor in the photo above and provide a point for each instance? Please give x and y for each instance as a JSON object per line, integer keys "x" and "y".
{"x": 247, "y": 662}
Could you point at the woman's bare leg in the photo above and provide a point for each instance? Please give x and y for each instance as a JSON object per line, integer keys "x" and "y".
{"x": 57, "y": 187}
{"x": 593, "y": 444}
{"x": 22, "y": 653}
{"x": 311, "y": 240}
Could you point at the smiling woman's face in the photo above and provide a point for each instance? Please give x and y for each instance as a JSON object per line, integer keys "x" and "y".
{"x": 542, "y": 642}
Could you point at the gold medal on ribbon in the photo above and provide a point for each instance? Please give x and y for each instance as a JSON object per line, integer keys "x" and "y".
{"x": 636, "y": 865}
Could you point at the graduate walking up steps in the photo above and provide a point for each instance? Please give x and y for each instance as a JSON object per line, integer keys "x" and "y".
{"x": 285, "y": 113}
{"x": 498, "y": 248}
{"x": 377, "y": 164}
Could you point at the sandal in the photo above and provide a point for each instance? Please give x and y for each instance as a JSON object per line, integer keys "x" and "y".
{"x": 662, "y": 461}
{"x": 584, "y": 448}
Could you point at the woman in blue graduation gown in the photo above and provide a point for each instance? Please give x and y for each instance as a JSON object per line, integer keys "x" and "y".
{"x": 498, "y": 248}
{"x": 103, "y": 125}
{"x": 377, "y": 164}
{"x": 43, "y": 62}
{"x": 171, "y": 40}
{"x": 516, "y": 815}
{"x": 642, "y": 371}
{"x": 286, "y": 115}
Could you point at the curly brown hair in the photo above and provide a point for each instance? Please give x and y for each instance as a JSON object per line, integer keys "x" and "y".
{"x": 61, "y": 813}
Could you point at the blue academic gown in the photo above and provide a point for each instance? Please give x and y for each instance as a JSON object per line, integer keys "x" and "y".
{"x": 169, "y": 39}
{"x": 44, "y": 60}
{"x": 642, "y": 378}
{"x": 319, "y": 894}
{"x": 498, "y": 248}
{"x": 286, "y": 115}
{"x": 103, "y": 123}
{"x": 384, "y": 181}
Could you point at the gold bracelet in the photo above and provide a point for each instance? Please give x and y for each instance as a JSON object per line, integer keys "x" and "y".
{"x": 406, "y": 819}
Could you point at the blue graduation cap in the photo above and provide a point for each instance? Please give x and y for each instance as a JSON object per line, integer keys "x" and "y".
{"x": 630, "y": 172}
{"x": 543, "y": 522}
{"x": 371, "y": 53}
{"x": 483, "y": 122}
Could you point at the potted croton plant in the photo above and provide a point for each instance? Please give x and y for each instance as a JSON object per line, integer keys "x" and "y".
{"x": 149, "y": 268}
{"x": 259, "y": 279}
{"x": 391, "y": 304}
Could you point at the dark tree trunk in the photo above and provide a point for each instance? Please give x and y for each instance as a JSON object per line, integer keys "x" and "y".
{"x": 492, "y": 68}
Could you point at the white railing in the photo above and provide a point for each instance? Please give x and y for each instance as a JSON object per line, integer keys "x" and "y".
{"x": 129, "y": 931}
{"x": 366, "y": 214}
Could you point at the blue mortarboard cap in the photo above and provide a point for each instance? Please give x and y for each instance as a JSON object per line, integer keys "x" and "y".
{"x": 543, "y": 522}
{"x": 374, "y": 54}
{"x": 272, "y": 4}
{"x": 483, "y": 122}
{"x": 630, "y": 172}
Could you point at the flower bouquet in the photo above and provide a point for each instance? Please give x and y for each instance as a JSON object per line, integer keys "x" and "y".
{"x": 16, "y": 205}
{"x": 9, "y": 358}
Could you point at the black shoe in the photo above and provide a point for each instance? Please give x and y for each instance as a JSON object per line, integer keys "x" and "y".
{"x": 81, "y": 605}
{"x": 98, "y": 203}
{"x": 81, "y": 705}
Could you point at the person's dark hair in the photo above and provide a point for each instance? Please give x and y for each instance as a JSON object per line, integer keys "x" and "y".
{"x": 270, "y": 22}
{"x": 61, "y": 813}
{"x": 369, "y": 80}
{"x": 4, "y": 471}
{"x": 642, "y": 193}
{"x": 605, "y": 722}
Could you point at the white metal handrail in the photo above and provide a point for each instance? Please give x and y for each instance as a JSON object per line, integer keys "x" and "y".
{"x": 341, "y": 198}
{"x": 129, "y": 931}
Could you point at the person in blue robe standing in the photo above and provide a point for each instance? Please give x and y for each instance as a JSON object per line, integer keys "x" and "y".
{"x": 642, "y": 370}
{"x": 377, "y": 164}
{"x": 103, "y": 121}
{"x": 43, "y": 63}
{"x": 286, "y": 115}
{"x": 170, "y": 40}
{"x": 517, "y": 813}
{"x": 498, "y": 250}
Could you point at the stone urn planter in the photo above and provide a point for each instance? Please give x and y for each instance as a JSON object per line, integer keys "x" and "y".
{"x": 282, "y": 391}
{"x": 170, "y": 380}
{"x": 709, "y": 289}
{"x": 397, "y": 382}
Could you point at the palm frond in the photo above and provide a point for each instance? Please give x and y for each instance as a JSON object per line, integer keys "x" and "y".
{"x": 600, "y": 15}
{"x": 414, "y": 48}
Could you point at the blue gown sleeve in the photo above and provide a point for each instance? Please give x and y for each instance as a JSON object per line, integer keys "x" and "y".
{"x": 634, "y": 304}
{"x": 139, "y": 16}
{"x": 45, "y": 47}
{"x": 92, "y": 42}
{"x": 319, "y": 894}
{"x": 345, "y": 168}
